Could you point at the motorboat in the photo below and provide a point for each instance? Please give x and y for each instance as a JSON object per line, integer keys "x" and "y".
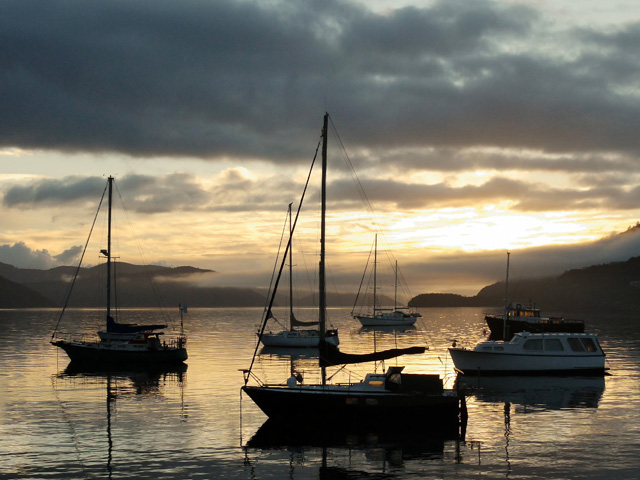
{"x": 519, "y": 318}
{"x": 533, "y": 353}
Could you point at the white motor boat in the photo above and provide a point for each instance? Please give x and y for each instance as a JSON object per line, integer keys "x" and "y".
{"x": 533, "y": 353}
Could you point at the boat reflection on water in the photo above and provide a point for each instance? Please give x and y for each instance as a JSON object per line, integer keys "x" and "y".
{"x": 374, "y": 447}
{"x": 387, "y": 329}
{"x": 274, "y": 434}
{"x": 292, "y": 353}
{"x": 146, "y": 380}
{"x": 543, "y": 392}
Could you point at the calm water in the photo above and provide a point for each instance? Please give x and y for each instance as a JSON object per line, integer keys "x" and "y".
{"x": 194, "y": 424}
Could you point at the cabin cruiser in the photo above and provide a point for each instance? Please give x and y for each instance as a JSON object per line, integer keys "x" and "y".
{"x": 533, "y": 353}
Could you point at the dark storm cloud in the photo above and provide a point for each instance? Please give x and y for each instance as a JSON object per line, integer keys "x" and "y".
{"x": 143, "y": 193}
{"x": 248, "y": 79}
{"x": 20, "y": 255}
{"x": 525, "y": 196}
{"x": 54, "y": 192}
{"x": 150, "y": 194}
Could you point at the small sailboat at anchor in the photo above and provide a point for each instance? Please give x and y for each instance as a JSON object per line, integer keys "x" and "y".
{"x": 385, "y": 317}
{"x": 120, "y": 343}
{"x": 294, "y": 337}
{"x": 393, "y": 399}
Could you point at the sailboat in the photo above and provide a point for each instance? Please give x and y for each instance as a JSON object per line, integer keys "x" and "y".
{"x": 120, "y": 343}
{"x": 295, "y": 337}
{"x": 386, "y": 317}
{"x": 393, "y": 398}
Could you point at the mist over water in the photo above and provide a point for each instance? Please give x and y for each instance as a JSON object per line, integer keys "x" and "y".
{"x": 193, "y": 423}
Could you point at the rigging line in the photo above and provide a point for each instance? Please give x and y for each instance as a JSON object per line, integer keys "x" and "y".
{"x": 355, "y": 178}
{"x": 360, "y": 188}
{"x": 69, "y": 422}
{"x": 75, "y": 275}
{"x": 273, "y": 275}
{"x": 284, "y": 256}
{"x": 364, "y": 274}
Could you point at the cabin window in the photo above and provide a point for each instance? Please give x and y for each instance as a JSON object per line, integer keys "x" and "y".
{"x": 553, "y": 345}
{"x": 533, "y": 344}
{"x": 575, "y": 344}
{"x": 589, "y": 345}
{"x": 499, "y": 349}
{"x": 395, "y": 378}
{"x": 487, "y": 349}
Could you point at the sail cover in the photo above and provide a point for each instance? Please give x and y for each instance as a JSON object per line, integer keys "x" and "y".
{"x": 331, "y": 355}
{"x": 113, "y": 327}
{"x": 299, "y": 323}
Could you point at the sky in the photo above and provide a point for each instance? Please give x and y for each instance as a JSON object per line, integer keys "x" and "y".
{"x": 469, "y": 129}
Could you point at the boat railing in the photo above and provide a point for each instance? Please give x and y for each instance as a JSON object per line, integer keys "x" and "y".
{"x": 73, "y": 337}
{"x": 177, "y": 342}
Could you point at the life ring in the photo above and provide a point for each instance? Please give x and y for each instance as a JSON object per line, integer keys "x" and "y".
{"x": 519, "y": 306}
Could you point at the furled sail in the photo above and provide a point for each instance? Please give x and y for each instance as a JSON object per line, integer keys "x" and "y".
{"x": 331, "y": 355}
{"x": 113, "y": 327}
{"x": 299, "y": 323}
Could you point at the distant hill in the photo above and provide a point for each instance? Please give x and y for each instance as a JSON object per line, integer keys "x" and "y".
{"x": 138, "y": 286}
{"x": 610, "y": 287}
{"x": 14, "y": 295}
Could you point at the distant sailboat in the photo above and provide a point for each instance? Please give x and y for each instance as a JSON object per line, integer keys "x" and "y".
{"x": 295, "y": 337}
{"x": 386, "y": 317}
{"x": 121, "y": 343}
{"x": 393, "y": 398}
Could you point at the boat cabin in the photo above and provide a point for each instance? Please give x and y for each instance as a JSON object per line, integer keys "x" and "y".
{"x": 519, "y": 311}
{"x": 540, "y": 343}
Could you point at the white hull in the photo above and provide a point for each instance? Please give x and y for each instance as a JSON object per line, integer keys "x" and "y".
{"x": 516, "y": 356}
{"x": 297, "y": 339}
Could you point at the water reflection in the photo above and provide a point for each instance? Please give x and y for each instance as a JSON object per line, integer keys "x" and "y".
{"x": 135, "y": 380}
{"x": 290, "y": 352}
{"x": 388, "y": 329}
{"x": 545, "y": 392}
{"x": 365, "y": 452}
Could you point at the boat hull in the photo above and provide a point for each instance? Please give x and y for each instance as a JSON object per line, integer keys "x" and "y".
{"x": 386, "y": 321}
{"x": 543, "y": 325}
{"x": 472, "y": 362}
{"x": 298, "y": 339}
{"x": 320, "y": 405}
{"x": 100, "y": 353}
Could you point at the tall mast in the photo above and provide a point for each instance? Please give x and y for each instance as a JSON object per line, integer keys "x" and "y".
{"x": 506, "y": 301}
{"x": 375, "y": 274}
{"x": 395, "y": 289}
{"x": 290, "y": 270}
{"x": 108, "y": 252}
{"x": 322, "y": 317}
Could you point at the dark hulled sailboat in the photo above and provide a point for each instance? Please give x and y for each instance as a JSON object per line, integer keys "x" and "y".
{"x": 387, "y": 399}
{"x": 121, "y": 343}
